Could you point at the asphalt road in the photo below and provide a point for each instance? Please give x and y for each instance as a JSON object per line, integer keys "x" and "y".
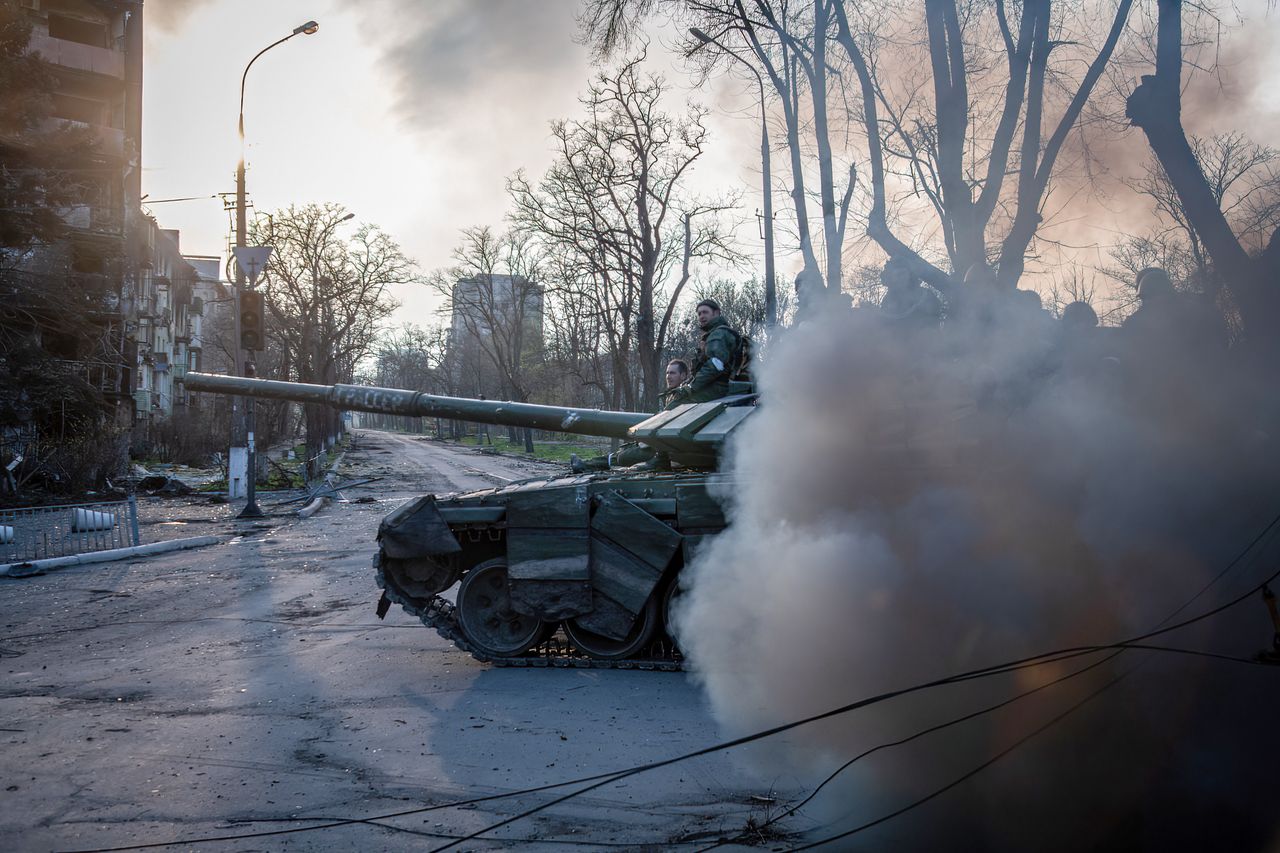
{"x": 248, "y": 688}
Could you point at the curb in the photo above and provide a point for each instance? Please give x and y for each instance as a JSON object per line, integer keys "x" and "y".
{"x": 36, "y": 567}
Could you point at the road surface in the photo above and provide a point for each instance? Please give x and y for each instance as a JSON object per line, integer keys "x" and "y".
{"x": 248, "y": 688}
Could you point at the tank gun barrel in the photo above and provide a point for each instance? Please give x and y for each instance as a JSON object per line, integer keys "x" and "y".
{"x": 397, "y": 401}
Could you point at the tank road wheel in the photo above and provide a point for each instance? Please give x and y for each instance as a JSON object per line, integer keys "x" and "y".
{"x": 486, "y": 617}
{"x": 604, "y": 648}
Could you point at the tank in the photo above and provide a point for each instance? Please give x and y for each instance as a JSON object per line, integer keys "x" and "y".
{"x": 573, "y": 570}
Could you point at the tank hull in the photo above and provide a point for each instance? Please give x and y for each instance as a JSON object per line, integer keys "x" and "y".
{"x": 598, "y": 555}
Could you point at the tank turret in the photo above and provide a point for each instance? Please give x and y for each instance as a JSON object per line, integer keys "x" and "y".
{"x": 569, "y": 570}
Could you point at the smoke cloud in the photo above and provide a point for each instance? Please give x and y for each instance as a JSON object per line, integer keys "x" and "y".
{"x": 169, "y": 15}
{"x": 912, "y": 502}
{"x": 503, "y": 56}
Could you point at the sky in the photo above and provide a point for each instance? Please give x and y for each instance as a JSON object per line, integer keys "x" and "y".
{"x": 410, "y": 114}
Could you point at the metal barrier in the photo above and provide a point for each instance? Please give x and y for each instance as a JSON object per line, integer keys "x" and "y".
{"x": 62, "y": 531}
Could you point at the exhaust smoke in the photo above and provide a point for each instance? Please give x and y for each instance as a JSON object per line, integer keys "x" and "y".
{"x": 913, "y": 502}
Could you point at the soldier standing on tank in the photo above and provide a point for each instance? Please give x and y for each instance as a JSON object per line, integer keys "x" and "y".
{"x": 906, "y": 301}
{"x": 633, "y": 453}
{"x": 716, "y": 353}
{"x": 712, "y": 369}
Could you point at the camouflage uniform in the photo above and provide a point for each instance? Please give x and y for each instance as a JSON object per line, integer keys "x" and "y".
{"x": 711, "y": 369}
{"x": 631, "y": 453}
{"x": 710, "y": 382}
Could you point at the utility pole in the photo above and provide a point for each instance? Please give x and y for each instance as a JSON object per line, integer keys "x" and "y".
{"x": 241, "y": 461}
{"x": 770, "y": 283}
{"x": 253, "y": 259}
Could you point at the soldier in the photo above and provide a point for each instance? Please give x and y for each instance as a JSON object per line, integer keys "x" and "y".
{"x": 906, "y": 300}
{"x": 632, "y": 453}
{"x": 716, "y": 353}
{"x": 1167, "y": 319}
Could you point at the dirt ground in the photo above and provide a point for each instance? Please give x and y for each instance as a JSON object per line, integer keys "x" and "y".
{"x": 248, "y": 688}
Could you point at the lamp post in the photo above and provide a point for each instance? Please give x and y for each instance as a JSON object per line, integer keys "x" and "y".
{"x": 251, "y": 509}
{"x": 770, "y": 285}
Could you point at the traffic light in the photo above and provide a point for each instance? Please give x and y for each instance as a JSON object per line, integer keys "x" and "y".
{"x": 253, "y": 331}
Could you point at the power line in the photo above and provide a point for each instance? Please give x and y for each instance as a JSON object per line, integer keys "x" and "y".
{"x": 598, "y": 780}
{"x": 968, "y": 774}
{"x": 183, "y": 198}
{"x": 975, "y": 714}
{"x": 1049, "y": 657}
{"x": 923, "y": 732}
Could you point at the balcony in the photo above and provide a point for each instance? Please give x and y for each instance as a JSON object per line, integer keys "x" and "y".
{"x": 79, "y": 57}
{"x": 104, "y": 376}
{"x": 108, "y": 141}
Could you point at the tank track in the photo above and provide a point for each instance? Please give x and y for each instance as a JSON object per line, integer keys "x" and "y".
{"x": 438, "y": 613}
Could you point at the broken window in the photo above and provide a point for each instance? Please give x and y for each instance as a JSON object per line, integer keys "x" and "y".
{"x": 92, "y": 33}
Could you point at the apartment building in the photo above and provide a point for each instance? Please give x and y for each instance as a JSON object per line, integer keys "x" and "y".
{"x": 493, "y": 313}
{"x": 94, "y": 50}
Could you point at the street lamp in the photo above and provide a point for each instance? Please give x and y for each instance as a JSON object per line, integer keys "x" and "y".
{"x": 251, "y": 509}
{"x": 770, "y": 286}
{"x": 309, "y": 28}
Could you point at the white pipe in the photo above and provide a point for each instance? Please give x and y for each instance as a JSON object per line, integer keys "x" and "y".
{"x": 84, "y": 520}
{"x": 313, "y": 507}
{"x": 33, "y": 567}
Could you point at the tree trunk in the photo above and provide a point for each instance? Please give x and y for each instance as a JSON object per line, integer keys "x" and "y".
{"x": 1156, "y": 108}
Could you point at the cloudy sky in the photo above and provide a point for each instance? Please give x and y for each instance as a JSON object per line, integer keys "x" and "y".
{"x": 411, "y": 114}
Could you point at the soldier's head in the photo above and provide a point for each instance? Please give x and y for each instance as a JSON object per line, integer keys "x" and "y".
{"x": 1153, "y": 285}
{"x": 677, "y": 372}
{"x": 897, "y": 274}
{"x": 708, "y": 310}
{"x": 980, "y": 278}
{"x": 1079, "y": 317}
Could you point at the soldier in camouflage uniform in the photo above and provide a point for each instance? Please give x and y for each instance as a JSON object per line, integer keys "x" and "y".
{"x": 711, "y": 369}
{"x": 633, "y": 453}
{"x": 715, "y": 358}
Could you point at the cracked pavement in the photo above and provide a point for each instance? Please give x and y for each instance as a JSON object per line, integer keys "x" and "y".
{"x": 248, "y": 688}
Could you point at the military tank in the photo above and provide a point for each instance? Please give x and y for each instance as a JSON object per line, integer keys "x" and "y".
{"x": 574, "y": 570}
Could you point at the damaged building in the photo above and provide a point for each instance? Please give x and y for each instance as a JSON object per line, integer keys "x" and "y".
{"x": 98, "y": 297}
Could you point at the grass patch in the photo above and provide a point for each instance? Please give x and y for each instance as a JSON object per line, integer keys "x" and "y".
{"x": 548, "y": 451}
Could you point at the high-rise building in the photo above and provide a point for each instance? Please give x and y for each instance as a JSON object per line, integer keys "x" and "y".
{"x": 495, "y": 319}
{"x": 93, "y": 48}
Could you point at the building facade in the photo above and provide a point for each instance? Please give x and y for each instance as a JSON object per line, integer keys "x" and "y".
{"x": 495, "y": 319}
{"x": 93, "y": 49}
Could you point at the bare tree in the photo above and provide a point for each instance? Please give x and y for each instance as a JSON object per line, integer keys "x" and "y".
{"x": 495, "y": 300}
{"x": 414, "y": 357}
{"x": 579, "y": 359}
{"x": 1244, "y": 183}
{"x": 326, "y": 297}
{"x": 1155, "y": 107}
{"x": 960, "y": 111}
{"x": 615, "y": 201}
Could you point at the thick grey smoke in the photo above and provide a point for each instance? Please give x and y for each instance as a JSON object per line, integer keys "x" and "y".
{"x": 169, "y": 15}
{"x": 451, "y": 59}
{"x": 910, "y": 503}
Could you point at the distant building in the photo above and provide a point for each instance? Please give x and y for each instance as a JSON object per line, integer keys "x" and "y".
{"x": 493, "y": 313}
{"x": 211, "y": 306}
{"x": 163, "y": 331}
